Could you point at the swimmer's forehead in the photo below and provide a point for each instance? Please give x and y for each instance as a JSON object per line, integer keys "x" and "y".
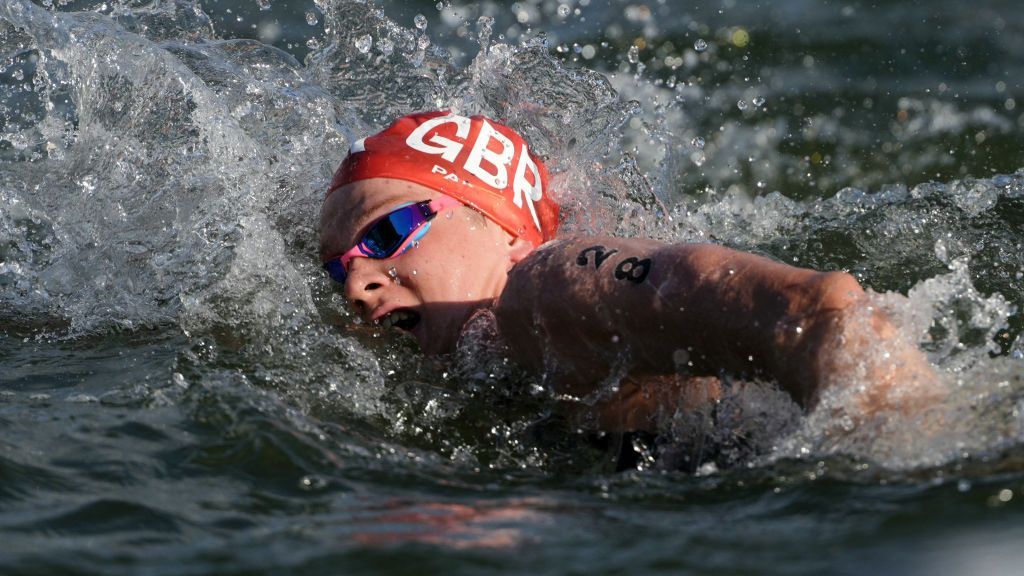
{"x": 348, "y": 210}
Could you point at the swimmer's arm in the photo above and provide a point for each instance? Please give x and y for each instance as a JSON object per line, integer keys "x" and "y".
{"x": 585, "y": 308}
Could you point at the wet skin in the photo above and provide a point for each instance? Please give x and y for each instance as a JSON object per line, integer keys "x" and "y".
{"x": 582, "y": 309}
{"x": 646, "y": 308}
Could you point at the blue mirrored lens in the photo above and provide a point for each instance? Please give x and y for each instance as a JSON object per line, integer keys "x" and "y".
{"x": 387, "y": 235}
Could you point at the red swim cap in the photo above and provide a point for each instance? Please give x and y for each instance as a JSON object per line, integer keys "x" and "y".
{"x": 475, "y": 160}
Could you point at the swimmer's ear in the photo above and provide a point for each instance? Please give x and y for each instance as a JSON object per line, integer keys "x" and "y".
{"x": 518, "y": 249}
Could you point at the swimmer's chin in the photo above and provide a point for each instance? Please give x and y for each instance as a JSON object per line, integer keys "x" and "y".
{"x": 433, "y": 340}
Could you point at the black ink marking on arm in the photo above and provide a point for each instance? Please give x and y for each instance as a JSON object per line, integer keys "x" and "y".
{"x": 600, "y": 255}
{"x": 633, "y": 269}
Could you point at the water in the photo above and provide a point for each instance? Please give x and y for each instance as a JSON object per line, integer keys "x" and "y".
{"x": 183, "y": 391}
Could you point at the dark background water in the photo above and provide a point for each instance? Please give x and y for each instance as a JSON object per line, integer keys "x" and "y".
{"x": 866, "y": 73}
{"x": 181, "y": 392}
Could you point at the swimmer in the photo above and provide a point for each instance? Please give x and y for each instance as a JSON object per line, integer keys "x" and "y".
{"x": 441, "y": 216}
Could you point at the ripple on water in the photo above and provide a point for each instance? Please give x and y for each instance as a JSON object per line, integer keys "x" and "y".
{"x": 109, "y": 517}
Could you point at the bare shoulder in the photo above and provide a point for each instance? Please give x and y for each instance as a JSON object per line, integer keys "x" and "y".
{"x": 573, "y": 268}
{"x": 585, "y": 253}
{"x": 589, "y": 305}
{"x": 567, "y": 294}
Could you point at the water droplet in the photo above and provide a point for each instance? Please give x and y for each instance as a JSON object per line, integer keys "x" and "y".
{"x": 758, "y": 101}
{"x": 440, "y": 6}
{"x": 312, "y": 482}
{"x": 697, "y": 142}
{"x": 484, "y": 24}
{"x": 363, "y": 43}
{"x": 633, "y": 55}
{"x": 742, "y": 104}
{"x": 740, "y": 37}
{"x": 564, "y": 10}
{"x": 700, "y": 45}
{"x": 311, "y": 18}
{"x": 386, "y": 46}
{"x": 313, "y": 44}
{"x": 179, "y": 380}
{"x": 421, "y": 21}
{"x": 393, "y": 272}
{"x": 269, "y": 31}
{"x": 963, "y": 485}
{"x": 263, "y": 4}
{"x": 18, "y": 74}
{"x": 422, "y": 42}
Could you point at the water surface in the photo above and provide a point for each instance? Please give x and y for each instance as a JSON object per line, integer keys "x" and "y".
{"x": 183, "y": 391}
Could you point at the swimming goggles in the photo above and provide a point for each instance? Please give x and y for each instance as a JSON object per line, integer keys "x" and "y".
{"x": 392, "y": 234}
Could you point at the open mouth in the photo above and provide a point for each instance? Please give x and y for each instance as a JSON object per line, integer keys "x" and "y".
{"x": 403, "y": 319}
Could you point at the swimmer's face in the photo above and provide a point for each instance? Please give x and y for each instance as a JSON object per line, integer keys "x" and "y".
{"x": 458, "y": 266}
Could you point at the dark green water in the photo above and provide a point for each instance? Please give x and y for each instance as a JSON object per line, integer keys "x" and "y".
{"x": 183, "y": 392}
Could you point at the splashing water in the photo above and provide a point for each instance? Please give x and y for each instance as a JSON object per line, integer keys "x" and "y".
{"x": 160, "y": 184}
{"x": 164, "y": 182}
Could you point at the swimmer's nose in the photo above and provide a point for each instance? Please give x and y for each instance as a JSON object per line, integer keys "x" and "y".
{"x": 363, "y": 285}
